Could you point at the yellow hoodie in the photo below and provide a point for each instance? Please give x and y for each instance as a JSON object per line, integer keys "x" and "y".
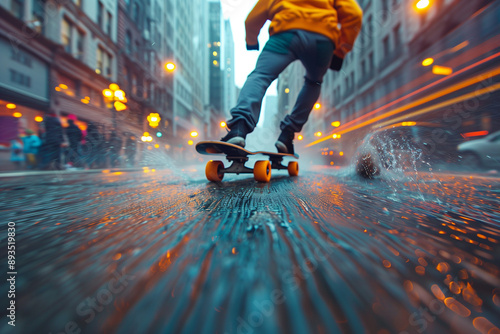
{"x": 319, "y": 16}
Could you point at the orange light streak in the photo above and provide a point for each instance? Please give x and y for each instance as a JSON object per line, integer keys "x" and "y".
{"x": 345, "y": 127}
{"x": 428, "y": 98}
{"x": 475, "y": 134}
{"x": 464, "y": 97}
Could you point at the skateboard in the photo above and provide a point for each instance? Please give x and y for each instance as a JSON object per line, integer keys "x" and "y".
{"x": 238, "y": 156}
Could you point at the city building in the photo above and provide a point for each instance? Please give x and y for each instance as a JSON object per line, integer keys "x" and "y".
{"x": 190, "y": 56}
{"x": 229, "y": 93}
{"x": 62, "y": 57}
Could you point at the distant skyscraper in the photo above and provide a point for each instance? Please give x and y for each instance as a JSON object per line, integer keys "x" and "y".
{"x": 229, "y": 95}
{"x": 214, "y": 62}
{"x": 270, "y": 115}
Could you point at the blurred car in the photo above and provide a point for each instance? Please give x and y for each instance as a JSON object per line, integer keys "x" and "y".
{"x": 407, "y": 146}
{"x": 481, "y": 153}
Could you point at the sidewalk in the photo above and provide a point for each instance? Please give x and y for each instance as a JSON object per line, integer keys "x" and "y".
{"x": 23, "y": 173}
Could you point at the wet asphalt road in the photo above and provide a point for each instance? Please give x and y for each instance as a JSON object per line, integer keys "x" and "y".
{"x": 326, "y": 252}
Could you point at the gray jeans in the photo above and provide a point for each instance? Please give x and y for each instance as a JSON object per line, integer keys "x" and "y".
{"x": 313, "y": 50}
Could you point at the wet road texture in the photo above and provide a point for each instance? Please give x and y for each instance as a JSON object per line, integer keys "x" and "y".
{"x": 325, "y": 252}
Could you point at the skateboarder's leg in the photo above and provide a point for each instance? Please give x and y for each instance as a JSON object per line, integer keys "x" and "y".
{"x": 315, "y": 55}
{"x": 269, "y": 65}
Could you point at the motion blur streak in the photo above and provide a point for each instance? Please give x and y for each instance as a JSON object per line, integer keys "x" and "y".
{"x": 441, "y": 93}
{"x": 462, "y": 98}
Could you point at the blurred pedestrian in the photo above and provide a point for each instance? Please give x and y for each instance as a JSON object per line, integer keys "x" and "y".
{"x": 16, "y": 153}
{"x": 93, "y": 146}
{"x": 52, "y": 141}
{"x": 74, "y": 135}
{"x": 114, "y": 148}
{"x": 31, "y": 147}
{"x": 301, "y": 29}
{"x": 130, "y": 150}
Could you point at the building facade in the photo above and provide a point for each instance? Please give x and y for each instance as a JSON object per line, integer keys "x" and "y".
{"x": 62, "y": 55}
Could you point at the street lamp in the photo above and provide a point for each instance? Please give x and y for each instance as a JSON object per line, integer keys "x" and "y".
{"x": 154, "y": 119}
{"x": 170, "y": 67}
{"x": 115, "y": 99}
{"x": 427, "y": 61}
{"x": 146, "y": 137}
{"x": 422, "y": 4}
{"x": 317, "y": 106}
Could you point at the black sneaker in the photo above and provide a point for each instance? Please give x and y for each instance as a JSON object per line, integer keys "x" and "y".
{"x": 285, "y": 142}
{"x": 236, "y": 135}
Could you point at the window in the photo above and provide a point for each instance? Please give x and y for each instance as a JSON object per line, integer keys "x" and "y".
{"x": 20, "y": 78}
{"x": 17, "y": 8}
{"x": 80, "y": 38}
{"x": 385, "y": 6}
{"x": 20, "y": 56}
{"x": 386, "y": 46}
{"x": 100, "y": 12}
{"x": 109, "y": 24}
{"x": 107, "y": 64}
{"x": 134, "y": 84}
{"x": 128, "y": 43}
{"x": 369, "y": 30}
{"x": 136, "y": 13}
{"x": 38, "y": 17}
{"x": 397, "y": 36}
{"x": 100, "y": 61}
{"x": 66, "y": 35}
{"x": 104, "y": 60}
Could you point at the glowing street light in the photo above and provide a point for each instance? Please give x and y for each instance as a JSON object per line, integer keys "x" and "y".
{"x": 170, "y": 67}
{"x": 222, "y": 124}
{"x": 146, "y": 137}
{"x": 193, "y": 134}
{"x": 422, "y": 4}
{"x": 441, "y": 70}
{"x": 115, "y": 99}
{"x": 336, "y": 124}
{"x": 427, "y": 62}
{"x": 317, "y": 106}
{"x": 38, "y": 119}
{"x": 107, "y": 93}
{"x": 300, "y": 137}
{"x": 318, "y": 134}
{"x": 287, "y": 90}
{"x": 154, "y": 119}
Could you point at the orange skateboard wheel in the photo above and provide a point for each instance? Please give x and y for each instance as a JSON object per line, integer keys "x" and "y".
{"x": 213, "y": 171}
{"x": 293, "y": 168}
{"x": 262, "y": 171}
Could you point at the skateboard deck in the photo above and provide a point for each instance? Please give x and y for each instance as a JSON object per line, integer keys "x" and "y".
{"x": 238, "y": 156}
